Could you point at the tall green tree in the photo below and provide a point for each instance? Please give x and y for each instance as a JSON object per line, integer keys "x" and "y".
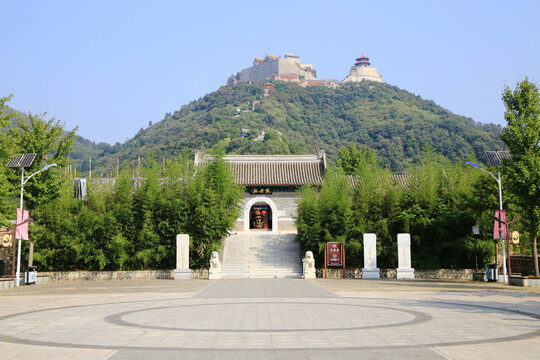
{"x": 52, "y": 144}
{"x": 211, "y": 208}
{"x": 432, "y": 203}
{"x": 6, "y": 188}
{"x": 522, "y": 136}
{"x": 351, "y": 160}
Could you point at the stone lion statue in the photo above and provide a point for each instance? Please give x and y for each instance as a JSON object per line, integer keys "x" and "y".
{"x": 309, "y": 266}
{"x": 215, "y": 266}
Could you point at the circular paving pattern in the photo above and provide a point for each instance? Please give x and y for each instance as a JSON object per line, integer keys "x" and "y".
{"x": 309, "y": 317}
{"x": 194, "y": 324}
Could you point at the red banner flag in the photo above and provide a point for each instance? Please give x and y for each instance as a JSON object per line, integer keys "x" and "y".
{"x": 21, "y": 231}
{"x": 496, "y": 235}
{"x": 503, "y": 224}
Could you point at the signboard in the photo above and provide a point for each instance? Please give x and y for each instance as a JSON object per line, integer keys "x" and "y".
{"x": 334, "y": 254}
{"x": 21, "y": 231}
{"x": 514, "y": 236}
{"x": 476, "y": 230}
{"x": 7, "y": 239}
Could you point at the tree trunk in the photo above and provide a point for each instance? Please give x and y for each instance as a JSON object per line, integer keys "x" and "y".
{"x": 31, "y": 254}
{"x": 535, "y": 256}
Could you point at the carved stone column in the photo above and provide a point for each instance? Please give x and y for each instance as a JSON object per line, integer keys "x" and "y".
{"x": 182, "y": 270}
{"x": 370, "y": 269}
{"x": 404, "y": 271}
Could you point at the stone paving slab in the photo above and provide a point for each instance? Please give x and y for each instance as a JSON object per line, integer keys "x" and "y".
{"x": 269, "y": 319}
{"x": 264, "y": 288}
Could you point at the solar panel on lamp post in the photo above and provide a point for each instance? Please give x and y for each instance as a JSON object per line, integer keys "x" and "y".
{"x": 494, "y": 159}
{"x": 23, "y": 161}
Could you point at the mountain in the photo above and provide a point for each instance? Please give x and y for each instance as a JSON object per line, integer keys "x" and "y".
{"x": 395, "y": 123}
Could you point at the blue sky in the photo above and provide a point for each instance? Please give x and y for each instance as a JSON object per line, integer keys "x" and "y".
{"x": 110, "y": 67}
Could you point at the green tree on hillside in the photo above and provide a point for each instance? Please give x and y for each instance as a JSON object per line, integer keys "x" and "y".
{"x": 522, "y": 136}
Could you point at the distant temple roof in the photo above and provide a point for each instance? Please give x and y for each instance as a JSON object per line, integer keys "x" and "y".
{"x": 274, "y": 170}
{"x": 362, "y": 60}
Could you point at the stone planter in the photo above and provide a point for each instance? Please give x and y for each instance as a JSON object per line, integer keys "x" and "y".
{"x": 479, "y": 276}
{"x": 518, "y": 280}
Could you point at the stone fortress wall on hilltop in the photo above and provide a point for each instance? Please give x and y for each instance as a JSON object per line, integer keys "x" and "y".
{"x": 291, "y": 69}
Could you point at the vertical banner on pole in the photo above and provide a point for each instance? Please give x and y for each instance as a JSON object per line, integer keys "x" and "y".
{"x": 503, "y": 224}
{"x": 21, "y": 231}
{"x": 18, "y": 229}
{"x": 24, "y": 234}
{"x": 496, "y": 226}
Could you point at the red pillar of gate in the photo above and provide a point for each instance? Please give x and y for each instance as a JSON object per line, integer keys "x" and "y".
{"x": 343, "y": 254}
{"x": 325, "y": 246}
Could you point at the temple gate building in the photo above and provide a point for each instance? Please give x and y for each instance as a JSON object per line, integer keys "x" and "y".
{"x": 271, "y": 182}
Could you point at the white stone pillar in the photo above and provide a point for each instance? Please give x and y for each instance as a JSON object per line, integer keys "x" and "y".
{"x": 404, "y": 271}
{"x": 370, "y": 269}
{"x": 182, "y": 270}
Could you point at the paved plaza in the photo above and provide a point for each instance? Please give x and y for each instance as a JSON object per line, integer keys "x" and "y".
{"x": 270, "y": 319}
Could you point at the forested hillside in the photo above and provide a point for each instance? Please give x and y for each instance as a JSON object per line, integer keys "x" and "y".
{"x": 398, "y": 125}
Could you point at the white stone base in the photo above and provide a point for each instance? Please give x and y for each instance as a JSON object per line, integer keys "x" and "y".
{"x": 404, "y": 273}
{"x": 214, "y": 276}
{"x": 182, "y": 274}
{"x": 371, "y": 273}
{"x": 309, "y": 275}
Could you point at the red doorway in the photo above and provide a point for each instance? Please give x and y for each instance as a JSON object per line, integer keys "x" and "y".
{"x": 260, "y": 217}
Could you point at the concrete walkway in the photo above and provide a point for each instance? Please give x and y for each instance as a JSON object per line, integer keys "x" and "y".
{"x": 270, "y": 319}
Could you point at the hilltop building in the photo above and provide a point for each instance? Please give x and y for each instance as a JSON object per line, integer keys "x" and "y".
{"x": 263, "y": 69}
{"x": 362, "y": 70}
{"x": 290, "y": 69}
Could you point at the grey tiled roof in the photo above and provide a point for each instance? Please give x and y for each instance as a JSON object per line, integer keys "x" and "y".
{"x": 403, "y": 181}
{"x": 278, "y": 173}
{"x": 274, "y": 170}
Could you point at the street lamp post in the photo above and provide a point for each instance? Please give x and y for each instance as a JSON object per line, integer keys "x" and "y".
{"x": 498, "y": 180}
{"x": 24, "y": 181}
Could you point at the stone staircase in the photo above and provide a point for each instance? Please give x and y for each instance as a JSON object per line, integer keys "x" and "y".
{"x": 262, "y": 254}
